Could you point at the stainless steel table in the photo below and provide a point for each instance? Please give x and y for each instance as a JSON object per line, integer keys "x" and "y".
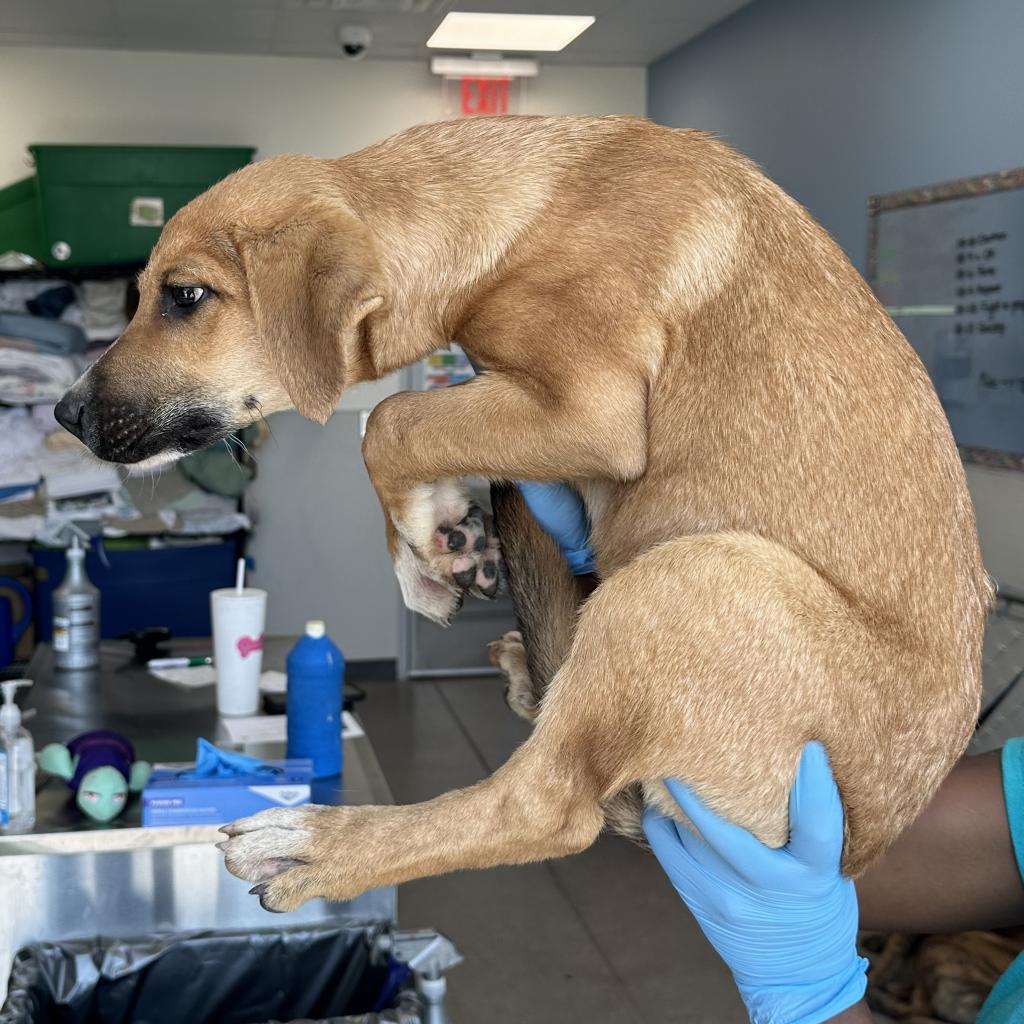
{"x": 69, "y": 878}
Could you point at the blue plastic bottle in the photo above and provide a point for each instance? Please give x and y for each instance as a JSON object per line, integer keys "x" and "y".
{"x": 316, "y": 671}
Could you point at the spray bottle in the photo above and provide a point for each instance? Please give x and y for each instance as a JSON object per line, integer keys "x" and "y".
{"x": 76, "y": 615}
{"x": 17, "y": 765}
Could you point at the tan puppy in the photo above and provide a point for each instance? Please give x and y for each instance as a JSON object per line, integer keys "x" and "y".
{"x": 785, "y": 542}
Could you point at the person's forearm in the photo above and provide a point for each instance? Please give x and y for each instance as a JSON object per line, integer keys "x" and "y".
{"x": 954, "y": 869}
{"x": 856, "y": 1014}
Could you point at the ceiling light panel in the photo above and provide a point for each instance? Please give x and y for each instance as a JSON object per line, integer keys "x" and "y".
{"x": 533, "y": 33}
{"x": 371, "y": 6}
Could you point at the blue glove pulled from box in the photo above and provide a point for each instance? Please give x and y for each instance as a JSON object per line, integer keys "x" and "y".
{"x": 214, "y": 763}
{"x": 221, "y": 786}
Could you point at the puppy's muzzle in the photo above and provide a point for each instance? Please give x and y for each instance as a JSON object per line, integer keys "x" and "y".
{"x": 127, "y": 428}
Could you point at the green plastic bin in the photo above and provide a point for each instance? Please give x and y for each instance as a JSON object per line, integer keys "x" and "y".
{"x": 19, "y": 219}
{"x": 101, "y": 205}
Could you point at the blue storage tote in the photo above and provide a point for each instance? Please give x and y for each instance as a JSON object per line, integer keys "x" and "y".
{"x": 142, "y": 587}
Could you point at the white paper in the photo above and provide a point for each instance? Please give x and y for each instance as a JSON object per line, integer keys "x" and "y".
{"x": 190, "y": 677}
{"x": 195, "y": 676}
{"x": 350, "y": 728}
{"x": 274, "y": 728}
{"x": 256, "y": 729}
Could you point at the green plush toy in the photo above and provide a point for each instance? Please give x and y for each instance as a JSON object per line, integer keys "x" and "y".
{"x": 100, "y": 768}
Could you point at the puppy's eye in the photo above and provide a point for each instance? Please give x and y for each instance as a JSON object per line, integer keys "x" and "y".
{"x": 185, "y": 295}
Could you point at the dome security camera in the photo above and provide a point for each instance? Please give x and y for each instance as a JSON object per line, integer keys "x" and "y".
{"x": 354, "y": 41}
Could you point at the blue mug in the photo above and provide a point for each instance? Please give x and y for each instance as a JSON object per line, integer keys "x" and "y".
{"x": 11, "y": 631}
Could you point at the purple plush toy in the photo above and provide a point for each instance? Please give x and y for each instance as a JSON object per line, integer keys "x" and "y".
{"x": 100, "y": 768}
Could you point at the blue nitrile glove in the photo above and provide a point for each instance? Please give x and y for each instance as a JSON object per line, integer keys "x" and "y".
{"x": 214, "y": 763}
{"x": 784, "y": 921}
{"x": 559, "y": 509}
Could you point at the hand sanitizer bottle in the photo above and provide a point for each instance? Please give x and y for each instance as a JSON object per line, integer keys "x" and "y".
{"x": 17, "y": 765}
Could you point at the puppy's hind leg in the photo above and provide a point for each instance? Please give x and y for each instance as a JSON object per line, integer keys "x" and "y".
{"x": 651, "y": 688}
{"x": 547, "y": 599}
{"x": 710, "y": 658}
{"x": 715, "y": 658}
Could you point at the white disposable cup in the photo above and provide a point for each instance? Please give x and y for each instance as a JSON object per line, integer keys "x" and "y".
{"x": 238, "y": 620}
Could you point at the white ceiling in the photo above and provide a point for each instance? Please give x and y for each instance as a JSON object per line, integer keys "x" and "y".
{"x": 630, "y": 32}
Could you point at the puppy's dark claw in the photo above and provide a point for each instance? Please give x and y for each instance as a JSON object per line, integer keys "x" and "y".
{"x": 261, "y": 891}
{"x": 456, "y": 608}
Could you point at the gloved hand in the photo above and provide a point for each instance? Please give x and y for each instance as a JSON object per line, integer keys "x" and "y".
{"x": 785, "y": 920}
{"x": 559, "y": 509}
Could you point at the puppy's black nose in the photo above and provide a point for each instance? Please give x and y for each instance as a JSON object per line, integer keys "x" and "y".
{"x": 70, "y": 413}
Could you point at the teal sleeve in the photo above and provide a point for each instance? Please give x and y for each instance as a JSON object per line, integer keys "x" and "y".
{"x": 1013, "y": 794}
{"x": 1005, "y": 1004}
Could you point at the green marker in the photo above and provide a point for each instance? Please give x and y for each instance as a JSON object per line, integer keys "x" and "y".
{"x": 178, "y": 662}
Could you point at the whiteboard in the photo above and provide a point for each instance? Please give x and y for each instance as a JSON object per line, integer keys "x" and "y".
{"x": 947, "y": 261}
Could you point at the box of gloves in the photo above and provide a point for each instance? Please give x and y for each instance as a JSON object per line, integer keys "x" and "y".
{"x": 222, "y": 786}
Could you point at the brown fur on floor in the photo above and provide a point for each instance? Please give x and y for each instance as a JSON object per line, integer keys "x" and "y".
{"x": 936, "y": 979}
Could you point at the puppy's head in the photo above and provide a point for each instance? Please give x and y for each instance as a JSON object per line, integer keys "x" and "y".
{"x": 255, "y": 299}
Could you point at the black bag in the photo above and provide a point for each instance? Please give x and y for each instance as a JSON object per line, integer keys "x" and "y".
{"x": 206, "y": 978}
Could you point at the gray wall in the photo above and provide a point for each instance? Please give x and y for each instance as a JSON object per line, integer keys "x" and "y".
{"x": 839, "y": 100}
{"x": 319, "y": 537}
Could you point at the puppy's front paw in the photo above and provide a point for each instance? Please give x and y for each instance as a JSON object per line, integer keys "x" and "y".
{"x": 453, "y": 547}
{"x": 469, "y": 551}
{"x": 294, "y": 854}
{"x": 275, "y": 849}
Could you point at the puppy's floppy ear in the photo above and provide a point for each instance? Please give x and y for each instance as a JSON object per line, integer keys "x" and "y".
{"x": 312, "y": 280}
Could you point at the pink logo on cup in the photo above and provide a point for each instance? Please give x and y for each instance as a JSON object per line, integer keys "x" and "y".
{"x": 246, "y": 645}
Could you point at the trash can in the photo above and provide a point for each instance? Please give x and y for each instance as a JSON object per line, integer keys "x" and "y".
{"x": 311, "y": 975}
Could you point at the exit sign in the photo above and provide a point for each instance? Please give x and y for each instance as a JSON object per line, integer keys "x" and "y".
{"x": 484, "y": 96}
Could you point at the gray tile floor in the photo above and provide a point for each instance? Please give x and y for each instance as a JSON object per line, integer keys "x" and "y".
{"x": 600, "y": 938}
